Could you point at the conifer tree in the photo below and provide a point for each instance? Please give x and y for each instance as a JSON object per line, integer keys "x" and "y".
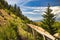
{"x": 15, "y": 7}
{"x": 49, "y": 19}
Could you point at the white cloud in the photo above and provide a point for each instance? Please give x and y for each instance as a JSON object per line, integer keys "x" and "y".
{"x": 34, "y": 18}
{"x": 55, "y": 9}
{"x": 12, "y": 2}
{"x": 29, "y": 13}
{"x": 40, "y": 11}
{"x": 18, "y": 2}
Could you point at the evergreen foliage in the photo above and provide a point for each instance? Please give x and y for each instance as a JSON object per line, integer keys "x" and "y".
{"x": 49, "y": 20}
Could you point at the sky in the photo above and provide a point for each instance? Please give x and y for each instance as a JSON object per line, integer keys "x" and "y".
{"x": 34, "y": 9}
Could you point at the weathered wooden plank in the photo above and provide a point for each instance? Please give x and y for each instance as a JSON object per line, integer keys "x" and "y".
{"x": 41, "y": 31}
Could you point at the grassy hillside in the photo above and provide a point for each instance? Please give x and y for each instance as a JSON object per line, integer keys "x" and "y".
{"x": 13, "y": 23}
{"x": 11, "y": 27}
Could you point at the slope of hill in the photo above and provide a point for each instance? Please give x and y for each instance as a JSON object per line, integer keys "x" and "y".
{"x": 13, "y": 23}
{"x": 11, "y": 27}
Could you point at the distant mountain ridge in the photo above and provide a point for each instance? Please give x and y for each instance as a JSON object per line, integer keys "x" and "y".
{"x": 37, "y": 20}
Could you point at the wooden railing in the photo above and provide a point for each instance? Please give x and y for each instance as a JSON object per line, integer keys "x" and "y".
{"x": 41, "y": 31}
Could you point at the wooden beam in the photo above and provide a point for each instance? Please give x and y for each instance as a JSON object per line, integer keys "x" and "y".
{"x": 41, "y": 31}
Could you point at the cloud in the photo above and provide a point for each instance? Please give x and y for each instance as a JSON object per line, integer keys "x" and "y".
{"x": 18, "y": 2}
{"x": 12, "y": 2}
{"x": 33, "y": 19}
{"x": 56, "y": 9}
{"x": 39, "y": 11}
{"x": 29, "y": 13}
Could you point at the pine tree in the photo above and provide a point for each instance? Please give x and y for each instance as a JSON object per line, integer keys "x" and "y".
{"x": 49, "y": 19}
{"x": 15, "y": 7}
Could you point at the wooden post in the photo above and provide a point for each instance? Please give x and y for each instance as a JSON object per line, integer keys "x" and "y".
{"x": 34, "y": 34}
{"x": 41, "y": 31}
{"x": 43, "y": 37}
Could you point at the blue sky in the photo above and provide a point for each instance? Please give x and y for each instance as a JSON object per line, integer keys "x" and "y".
{"x": 34, "y": 9}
